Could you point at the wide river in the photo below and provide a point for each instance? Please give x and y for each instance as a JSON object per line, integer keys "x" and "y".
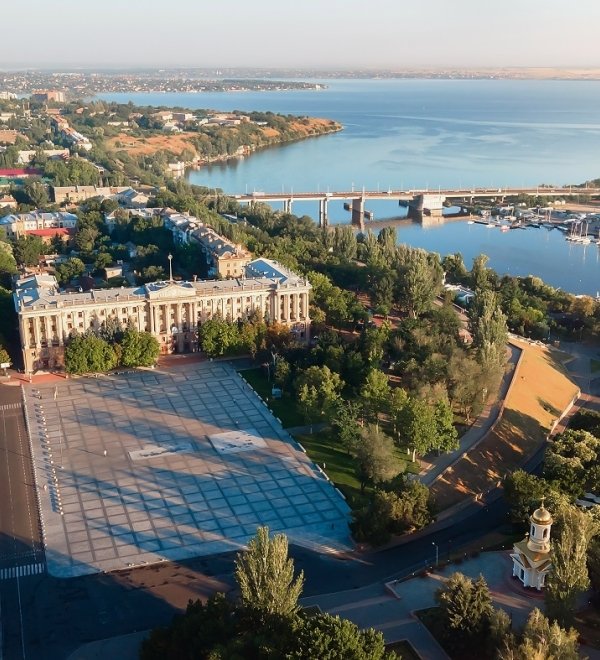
{"x": 404, "y": 134}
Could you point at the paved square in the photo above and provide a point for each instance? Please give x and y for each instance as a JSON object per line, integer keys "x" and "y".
{"x": 169, "y": 464}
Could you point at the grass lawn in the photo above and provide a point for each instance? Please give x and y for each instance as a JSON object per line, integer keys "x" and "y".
{"x": 404, "y": 650}
{"x": 339, "y": 465}
{"x": 285, "y": 408}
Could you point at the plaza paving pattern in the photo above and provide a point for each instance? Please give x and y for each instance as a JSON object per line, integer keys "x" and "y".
{"x": 143, "y": 476}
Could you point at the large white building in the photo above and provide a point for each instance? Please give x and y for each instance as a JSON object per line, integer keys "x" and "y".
{"x": 171, "y": 311}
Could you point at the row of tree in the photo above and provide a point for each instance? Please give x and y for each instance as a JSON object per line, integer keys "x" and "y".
{"x": 98, "y": 352}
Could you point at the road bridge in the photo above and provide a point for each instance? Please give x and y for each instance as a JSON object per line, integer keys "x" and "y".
{"x": 418, "y": 199}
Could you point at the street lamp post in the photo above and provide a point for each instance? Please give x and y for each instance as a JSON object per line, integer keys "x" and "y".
{"x": 437, "y": 553}
{"x": 170, "y": 258}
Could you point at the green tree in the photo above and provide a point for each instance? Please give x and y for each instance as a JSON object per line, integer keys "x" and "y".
{"x": 324, "y": 636}
{"x": 218, "y": 337}
{"x": 479, "y": 273}
{"x": 69, "y": 270}
{"x": 375, "y": 458}
{"x": 419, "y": 281}
{"x": 4, "y": 356}
{"x": 8, "y": 265}
{"x": 375, "y": 394}
{"x": 265, "y": 575}
{"x": 27, "y": 250}
{"x": 419, "y": 427}
{"x": 36, "y": 193}
{"x": 86, "y": 354}
{"x": 523, "y": 492}
{"x": 344, "y": 423}
{"x": 487, "y": 324}
{"x": 447, "y": 435}
{"x": 569, "y": 575}
{"x": 318, "y": 391}
{"x": 466, "y": 607}
{"x": 542, "y": 640}
{"x": 138, "y": 349}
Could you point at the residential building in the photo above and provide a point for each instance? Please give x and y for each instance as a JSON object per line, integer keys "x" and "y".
{"x": 25, "y": 157}
{"x": 170, "y": 311}
{"x": 7, "y": 200}
{"x": 48, "y": 96}
{"x": 224, "y": 258}
{"x": 132, "y": 199}
{"x": 20, "y": 224}
{"x": 76, "y": 194}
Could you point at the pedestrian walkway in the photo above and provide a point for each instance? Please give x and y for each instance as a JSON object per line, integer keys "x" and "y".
{"x": 391, "y": 607}
{"x": 478, "y": 430}
{"x": 22, "y": 571}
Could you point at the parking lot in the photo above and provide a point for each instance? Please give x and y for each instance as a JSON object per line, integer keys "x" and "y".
{"x": 168, "y": 464}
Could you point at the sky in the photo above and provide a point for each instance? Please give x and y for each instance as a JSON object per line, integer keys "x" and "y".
{"x": 324, "y": 34}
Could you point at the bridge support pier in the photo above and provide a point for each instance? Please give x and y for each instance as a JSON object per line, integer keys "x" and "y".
{"x": 323, "y": 220}
{"x": 358, "y": 212}
{"x": 287, "y": 205}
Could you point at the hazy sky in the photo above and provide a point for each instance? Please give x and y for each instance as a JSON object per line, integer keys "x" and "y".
{"x": 304, "y": 33}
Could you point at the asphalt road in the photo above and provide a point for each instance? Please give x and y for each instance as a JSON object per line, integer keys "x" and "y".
{"x": 21, "y": 549}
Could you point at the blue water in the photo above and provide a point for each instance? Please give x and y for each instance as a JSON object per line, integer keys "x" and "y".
{"x": 430, "y": 133}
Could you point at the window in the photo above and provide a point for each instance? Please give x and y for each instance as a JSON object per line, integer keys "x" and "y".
{"x": 545, "y": 535}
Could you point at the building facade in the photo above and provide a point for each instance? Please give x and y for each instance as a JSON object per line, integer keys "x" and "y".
{"x": 171, "y": 311}
{"x": 19, "y": 224}
{"x": 532, "y": 556}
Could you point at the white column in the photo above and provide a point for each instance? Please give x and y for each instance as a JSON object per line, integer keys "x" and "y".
{"x": 36, "y": 331}
{"x": 297, "y": 306}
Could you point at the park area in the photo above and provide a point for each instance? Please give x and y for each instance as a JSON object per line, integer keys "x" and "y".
{"x": 320, "y": 444}
{"x": 540, "y": 393}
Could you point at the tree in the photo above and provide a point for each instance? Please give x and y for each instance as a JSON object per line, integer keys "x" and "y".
{"x": 569, "y": 575}
{"x": 571, "y": 462}
{"x": 419, "y": 281}
{"x": 466, "y": 607}
{"x": 523, "y": 492}
{"x": 325, "y": 636}
{"x": 282, "y": 374}
{"x": 69, "y": 270}
{"x": 479, "y": 273}
{"x": 36, "y": 192}
{"x": 419, "y": 426}
{"x": 27, "y": 250}
{"x": 487, "y": 324}
{"x": 265, "y": 576}
{"x": 375, "y": 394}
{"x": 375, "y": 459}
{"x": 542, "y": 640}
{"x": 447, "y": 435}
{"x": 344, "y": 424}
{"x": 318, "y": 391}
{"x": 4, "y": 356}
{"x": 86, "y": 354}
{"x": 8, "y": 265}
{"x": 138, "y": 349}
{"x": 218, "y": 337}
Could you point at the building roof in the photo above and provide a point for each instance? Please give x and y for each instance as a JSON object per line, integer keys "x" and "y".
{"x": 533, "y": 557}
{"x": 541, "y": 516}
{"x": 52, "y": 231}
{"x": 43, "y": 289}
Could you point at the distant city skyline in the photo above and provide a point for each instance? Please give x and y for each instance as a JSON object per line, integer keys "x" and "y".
{"x": 337, "y": 34}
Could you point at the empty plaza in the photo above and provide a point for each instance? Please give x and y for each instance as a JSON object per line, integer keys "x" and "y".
{"x": 168, "y": 464}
